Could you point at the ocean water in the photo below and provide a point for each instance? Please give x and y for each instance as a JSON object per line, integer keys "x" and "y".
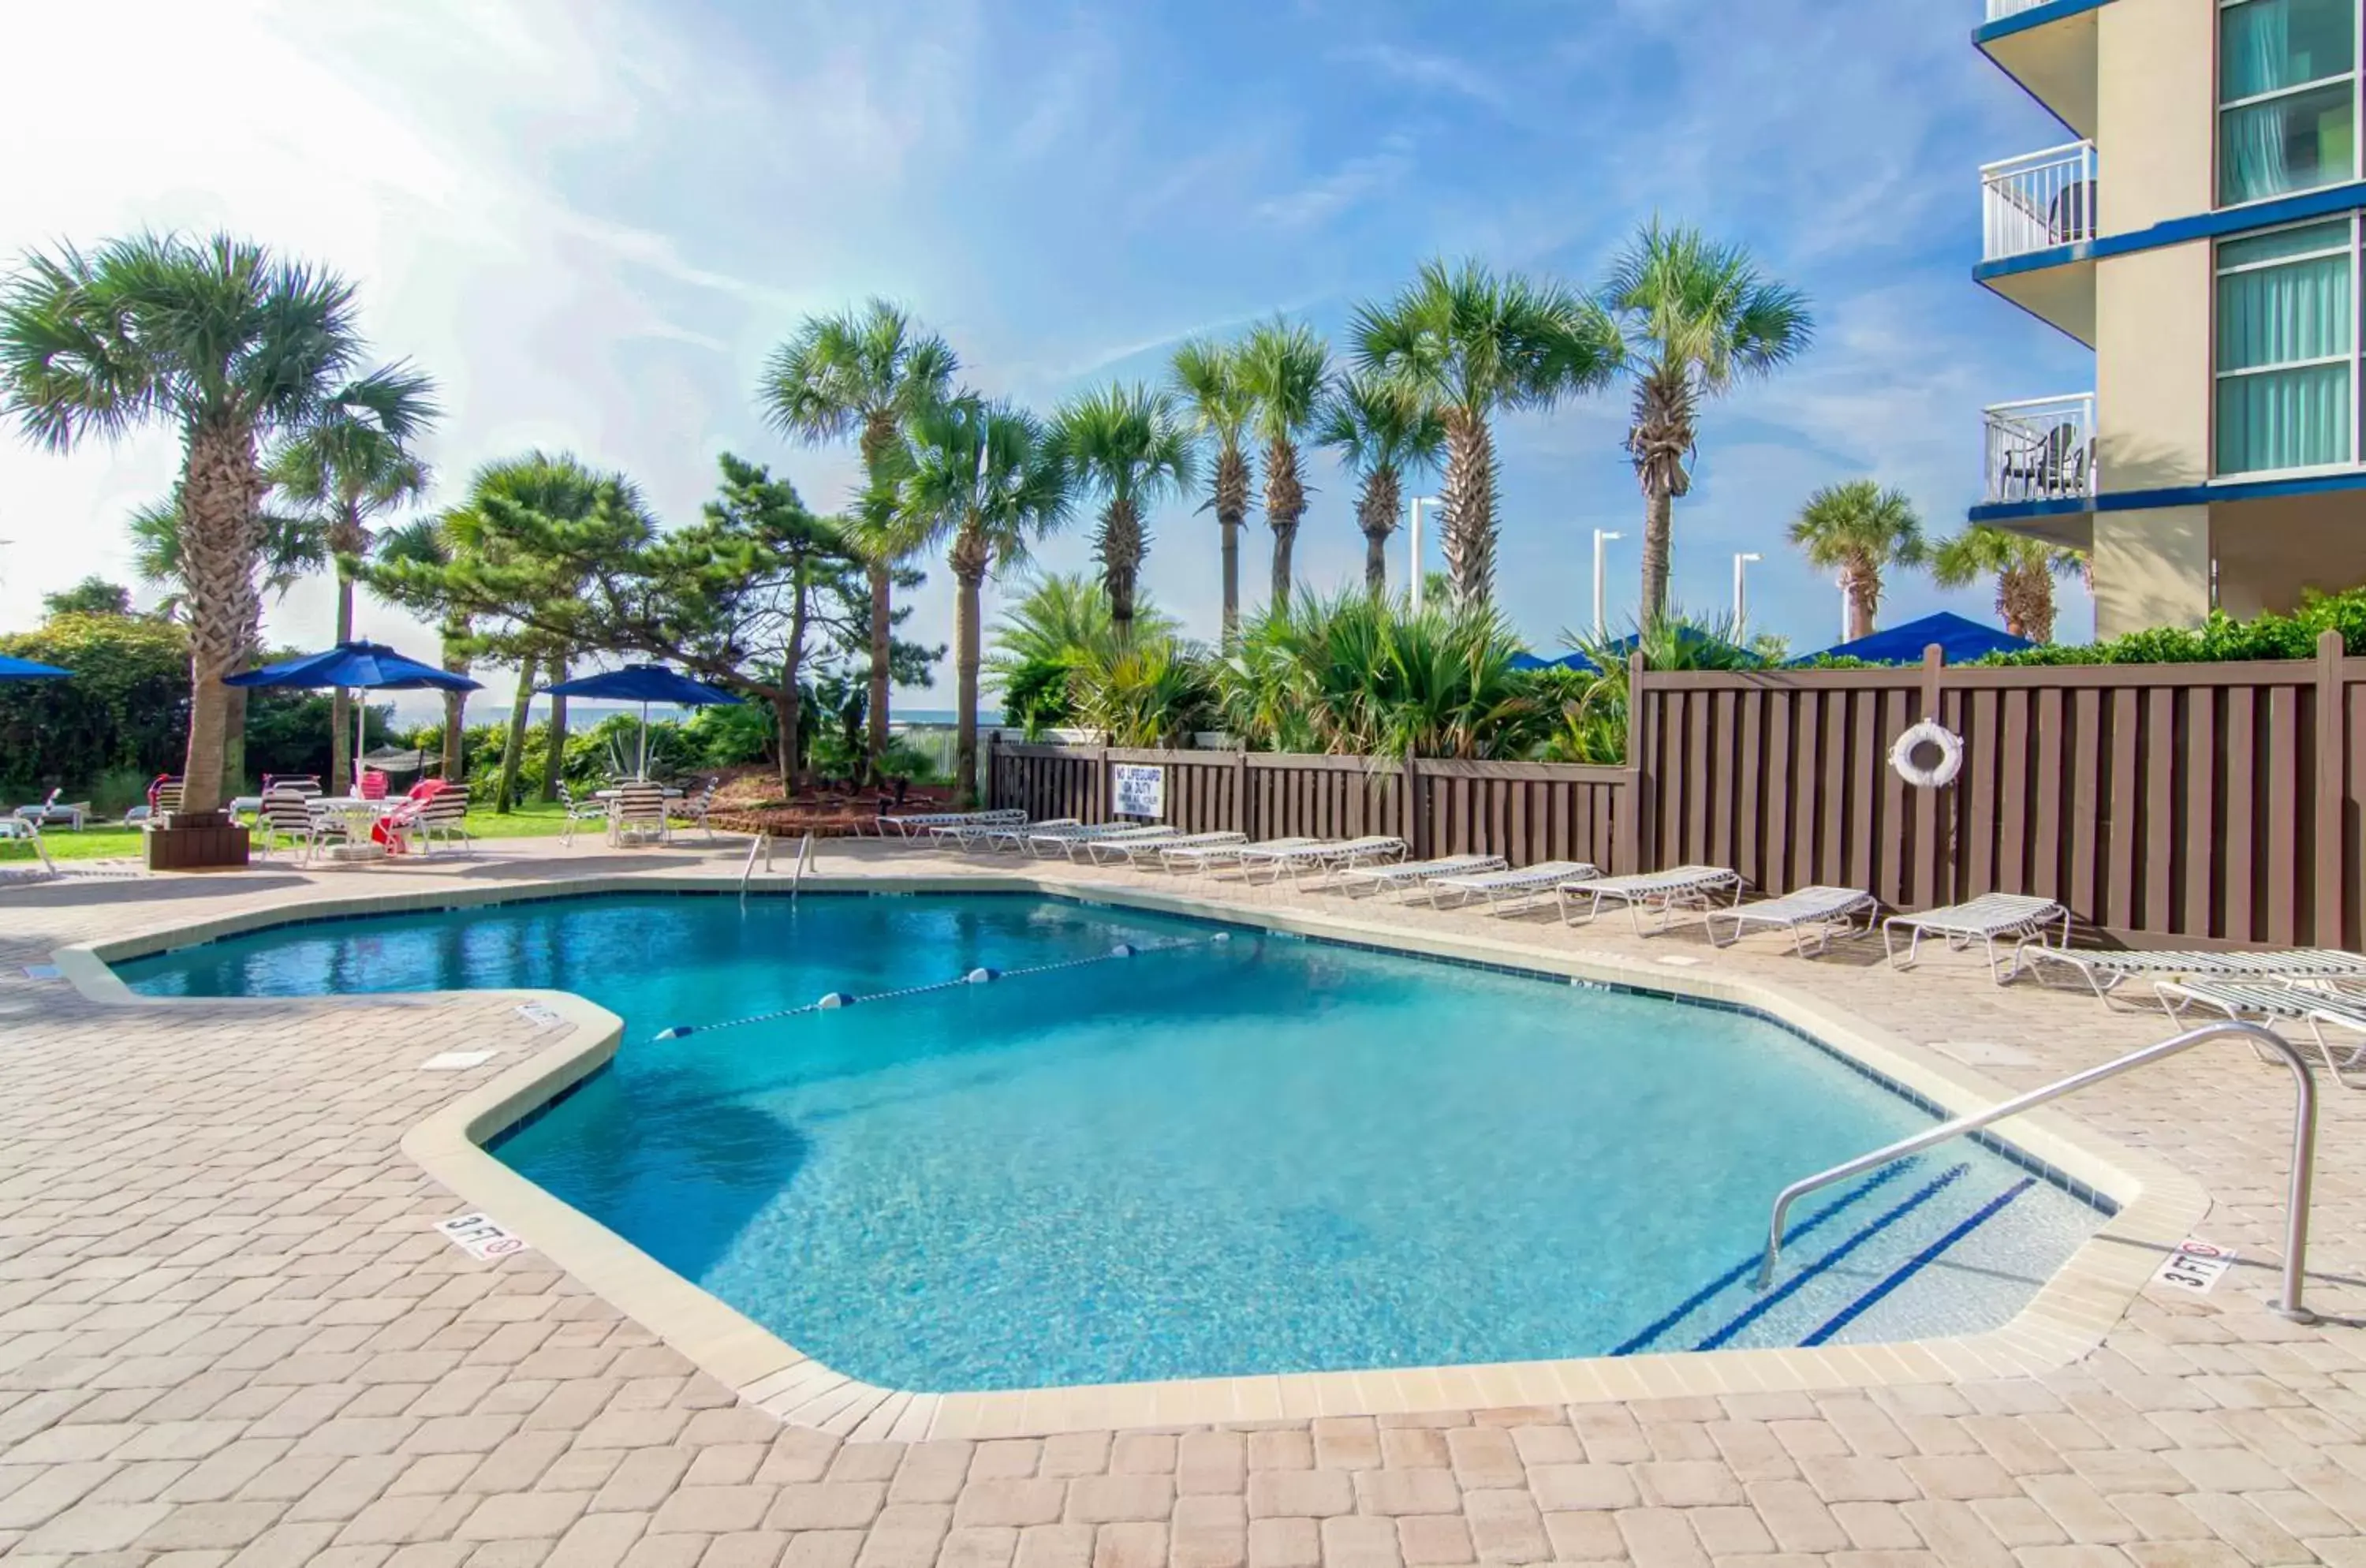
{"x": 1226, "y": 1153}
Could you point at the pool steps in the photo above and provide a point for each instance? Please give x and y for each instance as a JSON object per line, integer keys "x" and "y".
{"x": 1882, "y": 1266}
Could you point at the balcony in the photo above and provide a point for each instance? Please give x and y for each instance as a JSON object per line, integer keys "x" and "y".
{"x": 2053, "y": 48}
{"x": 2038, "y": 202}
{"x": 2040, "y": 452}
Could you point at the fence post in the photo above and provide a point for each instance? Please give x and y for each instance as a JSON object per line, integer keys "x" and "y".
{"x": 1637, "y": 831}
{"x": 1101, "y": 793}
{"x": 1930, "y": 855}
{"x": 2331, "y": 859}
{"x": 993, "y": 773}
{"x": 1415, "y": 806}
{"x": 1240, "y": 823}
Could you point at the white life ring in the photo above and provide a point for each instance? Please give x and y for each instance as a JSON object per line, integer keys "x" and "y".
{"x": 1932, "y": 736}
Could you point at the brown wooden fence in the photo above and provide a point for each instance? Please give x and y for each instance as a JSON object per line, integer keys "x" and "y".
{"x": 2190, "y": 804}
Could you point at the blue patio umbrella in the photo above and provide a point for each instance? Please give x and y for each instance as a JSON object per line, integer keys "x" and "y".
{"x": 26, "y": 670}
{"x": 360, "y": 666}
{"x": 1961, "y": 640}
{"x": 644, "y": 684}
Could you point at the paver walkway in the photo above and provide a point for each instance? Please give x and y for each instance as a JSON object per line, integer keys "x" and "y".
{"x": 229, "y": 1336}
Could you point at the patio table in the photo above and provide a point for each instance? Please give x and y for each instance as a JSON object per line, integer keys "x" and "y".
{"x": 359, "y": 816}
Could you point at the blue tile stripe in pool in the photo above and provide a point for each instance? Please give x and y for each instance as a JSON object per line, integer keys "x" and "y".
{"x": 1822, "y": 1333}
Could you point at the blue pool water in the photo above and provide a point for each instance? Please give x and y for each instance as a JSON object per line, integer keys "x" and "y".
{"x": 1229, "y": 1153}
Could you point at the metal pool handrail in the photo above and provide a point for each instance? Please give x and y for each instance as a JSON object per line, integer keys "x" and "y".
{"x": 2303, "y": 1159}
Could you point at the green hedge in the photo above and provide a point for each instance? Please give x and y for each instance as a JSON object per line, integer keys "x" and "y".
{"x": 125, "y": 710}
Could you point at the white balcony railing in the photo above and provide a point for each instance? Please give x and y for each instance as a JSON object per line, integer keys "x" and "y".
{"x": 2041, "y": 450}
{"x": 2038, "y": 201}
{"x": 1999, "y": 10}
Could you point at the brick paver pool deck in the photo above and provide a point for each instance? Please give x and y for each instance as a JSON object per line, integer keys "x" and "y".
{"x": 230, "y": 1334}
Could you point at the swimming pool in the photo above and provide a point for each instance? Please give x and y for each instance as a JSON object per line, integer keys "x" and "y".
{"x": 1228, "y": 1152}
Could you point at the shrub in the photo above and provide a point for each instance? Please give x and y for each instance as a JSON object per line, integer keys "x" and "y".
{"x": 125, "y": 707}
{"x": 2219, "y": 640}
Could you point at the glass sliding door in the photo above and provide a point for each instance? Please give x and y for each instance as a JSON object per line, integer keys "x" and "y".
{"x": 2287, "y": 92}
{"x": 2287, "y": 349}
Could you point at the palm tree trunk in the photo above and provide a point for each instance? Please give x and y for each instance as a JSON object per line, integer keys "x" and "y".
{"x": 969, "y": 578}
{"x": 1469, "y": 503}
{"x": 882, "y": 610}
{"x": 1231, "y": 530}
{"x": 513, "y": 744}
{"x": 1285, "y": 504}
{"x": 220, "y": 491}
{"x": 1862, "y": 586}
{"x": 1120, "y": 553}
{"x": 2025, "y": 599}
{"x": 1231, "y": 501}
{"x": 1659, "y": 525}
{"x": 341, "y": 701}
{"x": 1376, "y": 512}
{"x": 554, "y": 755}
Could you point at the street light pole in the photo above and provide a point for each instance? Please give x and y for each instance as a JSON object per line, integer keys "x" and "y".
{"x": 1601, "y": 537}
{"x": 1741, "y": 560}
{"x": 1418, "y": 502}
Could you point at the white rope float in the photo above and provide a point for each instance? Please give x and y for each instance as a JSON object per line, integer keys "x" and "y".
{"x": 831, "y": 1000}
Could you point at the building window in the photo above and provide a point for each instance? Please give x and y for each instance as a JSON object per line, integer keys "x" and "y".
{"x": 2287, "y": 350}
{"x": 2287, "y": 92}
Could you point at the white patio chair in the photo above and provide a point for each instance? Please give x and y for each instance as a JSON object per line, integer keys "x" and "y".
{"x": 1144, "y": 853}
{"x": 2104, "y": 972}
{"x": 1322, "y": 854}
{"x": 1515, "y": 889}
{"x": 1824, "y": 910}
{"x": 1663, "y": 892}
{"x": 637, "y": 814}
{"x": 1984, "y": 920}
{"x": 912, "y": 828}
{"x": 579, "y": 810}
{"x": 1205, "y": 859}
{"x": 2302, "y": 1003}
{"x": 1407, "y": 877}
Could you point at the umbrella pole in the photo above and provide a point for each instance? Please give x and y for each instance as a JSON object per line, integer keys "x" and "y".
{"x": 354, "y": 783}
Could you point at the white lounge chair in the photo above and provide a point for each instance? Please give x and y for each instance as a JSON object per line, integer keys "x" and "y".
{"x": 1415, "y": 874}
{"x": 17, "y": 829}
{"x": 1066, "y": 840}
{"x": 2304, "y": 1003}
{"x": 1983, "y": 919}
{"x": 2104, "y": 972}
{"x": 1322, "y": 855}
{"x": 1205, "y": 858}
{"x": 1515, "y": 889}
{"x": 1664, "y": 892}
{"x": 1114, "y": 846}
{"x": 911, "y": 828}
{"x": 579, "y": 810}
{"x": 1154, "y": 851}
{"x": 1821, "y": 909}
{"x": 994, "y": 836}
{"x": 52, "y": 811}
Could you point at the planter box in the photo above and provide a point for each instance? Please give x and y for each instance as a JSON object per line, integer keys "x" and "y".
{"x": 198, "y": 840}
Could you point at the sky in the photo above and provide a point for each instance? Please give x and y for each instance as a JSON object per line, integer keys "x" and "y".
{"x": 591, "y": 220}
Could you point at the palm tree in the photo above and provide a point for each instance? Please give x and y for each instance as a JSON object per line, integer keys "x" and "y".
{"x": 1208, "y": 374}
{"x": 293, "y": 548}
{"x": 1129, "y": 447}
{"x": 1694, "y": 317}
{"x": 347, "y": 470}
{"x": 220, "y": 339}
{"x": 2024, "y": 570}
{"x": 1285, "y": 368}
{"x": 1860, "y": 530}
{"x": 1379, "y": 430}
{"x": 1470, "y": 345}
{"x": 985, "y": 479}
{"x": 865, "y": 372}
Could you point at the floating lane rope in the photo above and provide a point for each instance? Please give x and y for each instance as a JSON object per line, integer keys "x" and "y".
{"x": 833, "y": 1000}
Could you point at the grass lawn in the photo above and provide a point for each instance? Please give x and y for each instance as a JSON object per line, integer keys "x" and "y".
{"x": 534, "y": 821}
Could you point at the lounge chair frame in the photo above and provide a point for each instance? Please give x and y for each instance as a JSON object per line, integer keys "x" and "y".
{"x": 1413, "y": 876}
{"x": 2303, "y": 1002}
{"x": 1519, "y": 888}
{"x": 1663, "y": 892}
{"x": 1826, "y": 911}
{"x": 2104, "y": 971}
{"x": 1983, "y": 919}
